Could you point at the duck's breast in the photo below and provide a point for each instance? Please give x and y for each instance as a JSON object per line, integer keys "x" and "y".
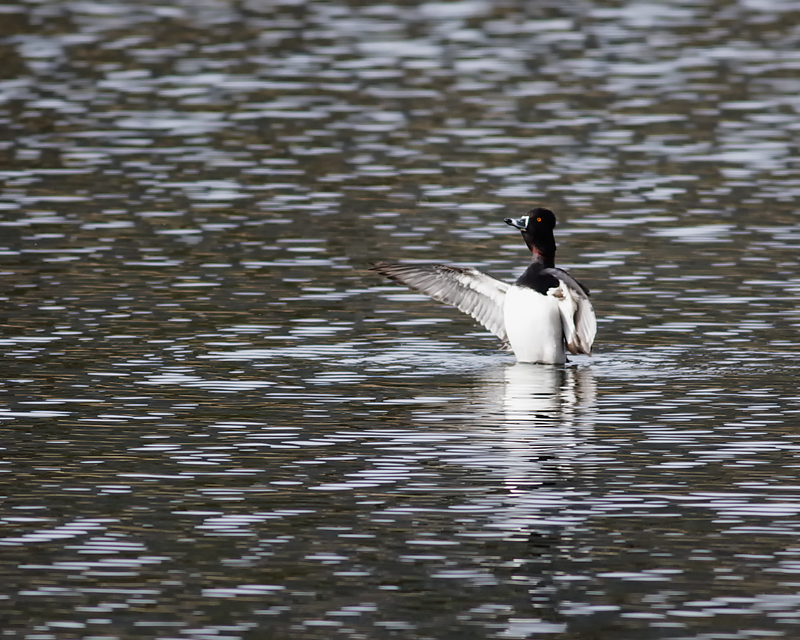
{"x": 533, "y": 326}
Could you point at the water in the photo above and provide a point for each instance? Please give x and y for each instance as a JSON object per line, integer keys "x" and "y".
{"x": 217, "y": 423}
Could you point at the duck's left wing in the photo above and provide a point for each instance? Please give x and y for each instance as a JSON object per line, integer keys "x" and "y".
{"x": 577, "y": 315}
{"x": 469, "y": 290}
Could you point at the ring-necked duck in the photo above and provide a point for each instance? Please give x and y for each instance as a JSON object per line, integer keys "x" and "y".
{"x": 539, "y": 315}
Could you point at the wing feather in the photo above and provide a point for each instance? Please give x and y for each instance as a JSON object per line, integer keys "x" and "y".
{"x": 469, "y": 290}
{"x": 577, "y": 315}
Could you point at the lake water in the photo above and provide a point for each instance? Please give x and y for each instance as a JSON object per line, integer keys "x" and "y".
{"x": 217, "y": 424}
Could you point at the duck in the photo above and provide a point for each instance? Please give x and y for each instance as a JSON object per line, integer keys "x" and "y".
{"x": 543, "y": 315}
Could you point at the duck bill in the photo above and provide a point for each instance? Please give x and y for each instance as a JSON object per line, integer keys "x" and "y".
{"x": 520, "y": 224}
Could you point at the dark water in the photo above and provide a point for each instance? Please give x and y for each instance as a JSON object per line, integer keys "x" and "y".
{"x": 217, "y": 424}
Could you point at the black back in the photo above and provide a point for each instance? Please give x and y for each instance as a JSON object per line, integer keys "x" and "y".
{"x": 535, "y": 278}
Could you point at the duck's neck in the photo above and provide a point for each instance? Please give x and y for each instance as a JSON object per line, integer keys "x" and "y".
{"x": 534, "y": 276}
{"x": 542, "y": 248}
{"x": 542, "y": 260}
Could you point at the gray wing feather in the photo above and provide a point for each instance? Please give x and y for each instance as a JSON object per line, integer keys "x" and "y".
{"x": 577, "y": 314}
{"x": 469, "y": 290}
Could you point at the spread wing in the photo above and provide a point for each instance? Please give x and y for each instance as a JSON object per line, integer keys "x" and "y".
{"x": 469, "y": 290}
{"x": 577, "y": 316}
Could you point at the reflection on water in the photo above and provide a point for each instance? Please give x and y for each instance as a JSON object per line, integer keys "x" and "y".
{"x": 216, "y": 423}
{"x": 545, "y": 439}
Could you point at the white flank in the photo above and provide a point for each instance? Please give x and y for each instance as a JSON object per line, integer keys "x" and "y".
{"x": 533, "y": 326}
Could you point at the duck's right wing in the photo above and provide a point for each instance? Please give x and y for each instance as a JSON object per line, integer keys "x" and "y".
{"x": 577, "y": 315}
{"x": 469, "y": 290}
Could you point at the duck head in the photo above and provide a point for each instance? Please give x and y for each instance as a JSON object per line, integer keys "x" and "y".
{"x": 537, "y": 231}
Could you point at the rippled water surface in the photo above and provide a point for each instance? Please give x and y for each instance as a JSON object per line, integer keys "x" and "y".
{"x": 216, "y": 423}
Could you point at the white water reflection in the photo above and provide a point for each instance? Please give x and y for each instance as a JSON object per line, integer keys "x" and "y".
{"x": 706, "y": 233}
{"x": 545, "y": 437}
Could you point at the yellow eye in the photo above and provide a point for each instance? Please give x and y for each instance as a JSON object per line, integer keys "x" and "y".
{"x": 538, "y": 219}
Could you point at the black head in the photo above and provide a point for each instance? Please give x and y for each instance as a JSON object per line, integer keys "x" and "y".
{"x": 537, "y": 231}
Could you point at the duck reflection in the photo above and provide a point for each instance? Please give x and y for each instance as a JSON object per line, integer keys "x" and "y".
{"x": 547, "y": 416}
{"x": 534, "y": 393}
{"x": 540, "y": 423}
{"x": 535, "y": 446}
{"x": 535, "y": 414}
{"x": 547, "y": 445}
